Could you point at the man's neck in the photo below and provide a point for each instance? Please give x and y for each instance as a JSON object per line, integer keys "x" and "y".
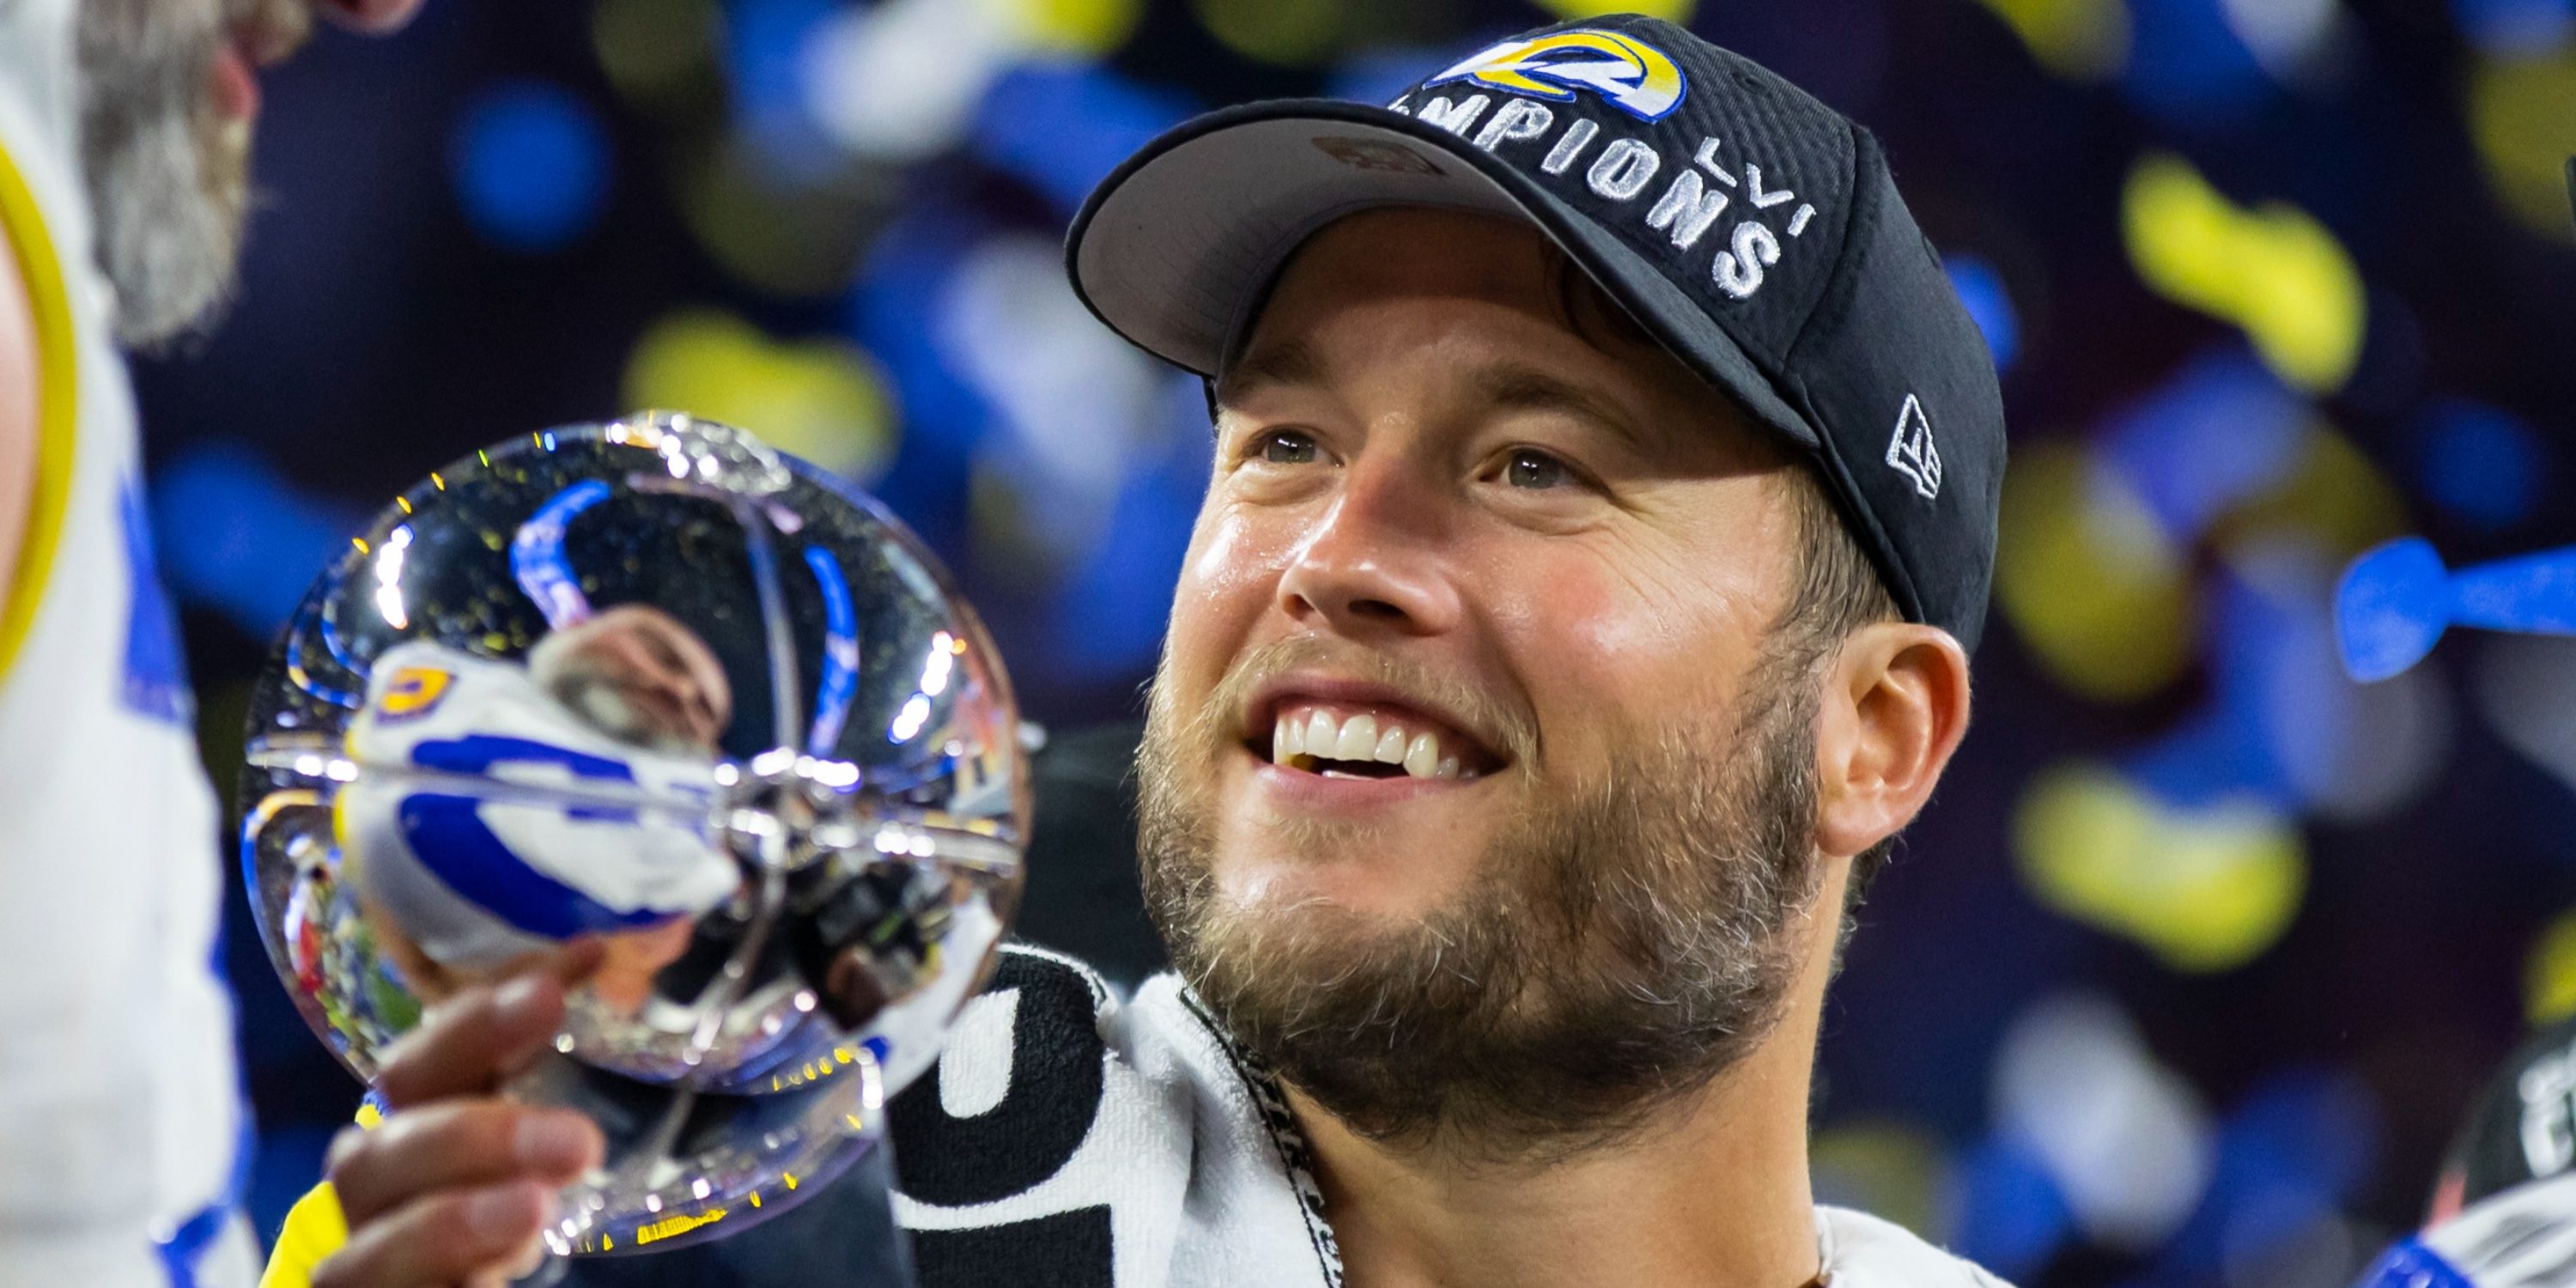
{"x": 1712, "y": 1190}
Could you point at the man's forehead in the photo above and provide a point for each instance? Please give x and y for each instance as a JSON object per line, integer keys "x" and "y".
{"x": 1553, "y": 359}
{"x": 1438, "y": 253}
{"x": 1390, "y": 253}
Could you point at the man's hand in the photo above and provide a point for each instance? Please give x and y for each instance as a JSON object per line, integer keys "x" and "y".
{"x": 456, "y": 1183}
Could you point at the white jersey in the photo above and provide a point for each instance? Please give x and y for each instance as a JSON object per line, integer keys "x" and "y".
{"x": 1135, "y": 1145}
{"x": 122, "y": 1127}
{"x": 478, "y": 878}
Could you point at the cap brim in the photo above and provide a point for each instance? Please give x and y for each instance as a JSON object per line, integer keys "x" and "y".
{"x": 1182, "y": 238}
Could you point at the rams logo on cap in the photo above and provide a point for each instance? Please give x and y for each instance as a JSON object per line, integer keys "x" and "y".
{"x": 413, "y": 691}
{"x": 1635, "y": 77}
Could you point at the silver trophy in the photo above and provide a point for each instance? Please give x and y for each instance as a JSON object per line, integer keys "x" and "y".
{"x": 653, "y": 683}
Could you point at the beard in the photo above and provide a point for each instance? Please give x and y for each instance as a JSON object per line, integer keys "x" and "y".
{"x": 168, "y": 173}
{"x": 1626, "y": 940}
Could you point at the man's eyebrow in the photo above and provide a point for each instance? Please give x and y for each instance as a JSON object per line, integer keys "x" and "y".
{"x": 1292, "y": 362}
{"x": 1520, "y": 387}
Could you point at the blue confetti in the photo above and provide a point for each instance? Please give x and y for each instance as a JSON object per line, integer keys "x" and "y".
{"x": 2483, "y": 467}
{"x": 531, "y": 165}
{"x": 765, "y": 43}
{"x": 2221, "y": 432}
{"x": 2012, "y": 1218}
{"x": 1063, "y": 127}
{"x": 2506, "y": 28}
{"x": 1981, "y": 289}
{"x": 1110, "y": 614}
{"x": 235, "y": 537}
{"x": 2188, "y": 68}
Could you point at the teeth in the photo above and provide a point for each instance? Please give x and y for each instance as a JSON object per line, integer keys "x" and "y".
{"x": 1321, "y": 734}
{"x": 1358, "y": 740}
{"x": 1318, "y": 736}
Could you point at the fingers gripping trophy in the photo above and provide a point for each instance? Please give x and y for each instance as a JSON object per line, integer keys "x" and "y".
{"x": 652, "y": 685}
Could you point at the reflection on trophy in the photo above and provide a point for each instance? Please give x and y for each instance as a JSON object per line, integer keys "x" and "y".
{"x": 651, "y": 684}
{"x": 459, "y": 888}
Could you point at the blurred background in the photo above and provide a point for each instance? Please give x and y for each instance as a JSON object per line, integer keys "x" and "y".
{"x": 2190, "y": 971}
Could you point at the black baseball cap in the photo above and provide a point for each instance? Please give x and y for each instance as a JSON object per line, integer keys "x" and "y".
{"x": 1753, "y": 230}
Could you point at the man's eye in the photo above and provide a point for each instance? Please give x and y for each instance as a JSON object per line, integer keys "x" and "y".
{"x": 1536, "y": 470}
{"x": 1286, "y": 447}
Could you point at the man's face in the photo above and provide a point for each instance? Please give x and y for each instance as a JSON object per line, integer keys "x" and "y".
{"x": 169, "y": 93}
{"x": 1461, "y": 504}
{"x": 639, "y": 675}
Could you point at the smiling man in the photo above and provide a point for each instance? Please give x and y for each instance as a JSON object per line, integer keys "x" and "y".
{"x": 1602, "y": 515}
{"x": 125, "y": 130}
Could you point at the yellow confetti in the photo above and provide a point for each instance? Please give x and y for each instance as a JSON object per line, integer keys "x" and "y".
{"x": 2205, "y": 890}
{"x": 1092, "y": 27}
{"x": 2272, "y": 270}
{"x": 1289, "y": 32}
{"x": 820, "y": 399}
{"x": 2549, "y": 974}
{"x": 1576, "y": 10}
{"x": 2089, "y": 580}
{"x": 2522, "y": 113}
{"x": 654, "y": 49}
{"x": 2079, "y": 39}
{"x": 1884, "y": 1167}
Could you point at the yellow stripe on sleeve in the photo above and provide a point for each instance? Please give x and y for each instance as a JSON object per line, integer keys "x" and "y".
{"x": 58, "y": 407}
{"x": 315, "y": 1228}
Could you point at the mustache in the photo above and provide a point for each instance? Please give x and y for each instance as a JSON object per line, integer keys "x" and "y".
{"x": 1501, "y": 725}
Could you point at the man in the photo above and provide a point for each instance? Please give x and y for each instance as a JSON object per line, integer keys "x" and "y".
{"x": 1602, "y": 513}
{"x": 124, "y": 132}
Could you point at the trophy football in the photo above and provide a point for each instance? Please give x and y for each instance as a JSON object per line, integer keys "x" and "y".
{"x": 653, "y": 683}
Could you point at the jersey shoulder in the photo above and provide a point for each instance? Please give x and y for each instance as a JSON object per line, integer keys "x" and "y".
{"x": 39, "y": 374}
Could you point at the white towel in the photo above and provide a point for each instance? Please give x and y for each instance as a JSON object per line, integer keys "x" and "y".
{"x": 1071, "y": 1140}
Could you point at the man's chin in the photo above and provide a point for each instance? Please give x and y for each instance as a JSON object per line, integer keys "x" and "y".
{"x": 1344, "y": 877}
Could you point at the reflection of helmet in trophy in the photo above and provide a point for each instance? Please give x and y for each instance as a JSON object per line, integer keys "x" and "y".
{"x": 647, "y": 683}
{"x": 457, "y": 884}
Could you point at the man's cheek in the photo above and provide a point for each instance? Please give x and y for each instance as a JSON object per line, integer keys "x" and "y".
{"x": 1224, "y": 587}
{"x": 1588, "y": 647}
{"x": 1237, "y": 553}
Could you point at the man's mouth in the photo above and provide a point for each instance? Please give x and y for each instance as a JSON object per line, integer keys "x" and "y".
{"x": 1373, "y": 740}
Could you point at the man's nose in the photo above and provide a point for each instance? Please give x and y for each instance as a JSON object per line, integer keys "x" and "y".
{"x": 1376, "y": 562}
{"x": 374, "y": 17}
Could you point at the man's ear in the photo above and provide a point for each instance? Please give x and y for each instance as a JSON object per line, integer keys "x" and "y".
{"x": 1895, "y": 707}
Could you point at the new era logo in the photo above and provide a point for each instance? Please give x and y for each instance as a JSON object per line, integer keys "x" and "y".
{"x": 1912, "y": 452}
